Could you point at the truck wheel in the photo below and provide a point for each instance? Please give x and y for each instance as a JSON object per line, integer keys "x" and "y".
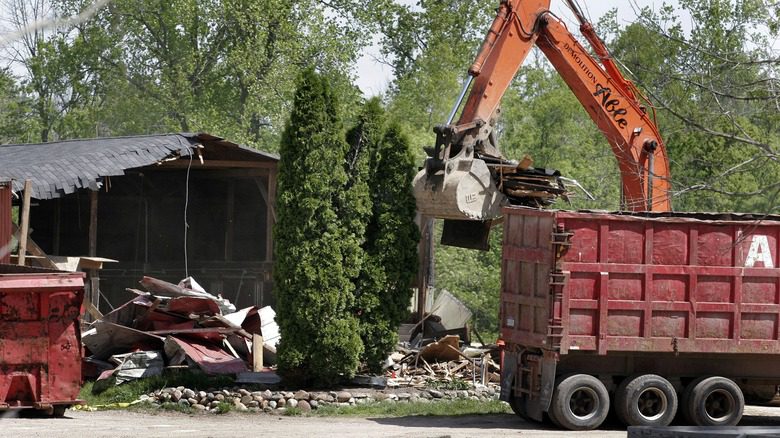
{"x": 646, "y": 400}
{"x": 58, "y": 411}
{"x": 713, "y": 401}
{"x": 579, "y": 402}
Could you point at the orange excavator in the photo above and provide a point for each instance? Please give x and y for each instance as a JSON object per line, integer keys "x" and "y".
{"x": 464, "y": 180}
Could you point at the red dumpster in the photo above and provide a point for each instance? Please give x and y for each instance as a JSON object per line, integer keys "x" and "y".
{"x": 40, "y": 339}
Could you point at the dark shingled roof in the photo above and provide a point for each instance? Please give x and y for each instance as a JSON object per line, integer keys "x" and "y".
{"x": 62, "y": 167}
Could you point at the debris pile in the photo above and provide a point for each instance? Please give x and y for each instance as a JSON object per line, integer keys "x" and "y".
{"x": 169, "y": 326}
{"x": 178, "y": 326}
{"x": 436, "y": 351}
{"x": 444, "y": 363}
{"x": 529, "y": 186}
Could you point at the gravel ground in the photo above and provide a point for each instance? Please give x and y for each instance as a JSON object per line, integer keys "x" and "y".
{"x": 118, "y": 424}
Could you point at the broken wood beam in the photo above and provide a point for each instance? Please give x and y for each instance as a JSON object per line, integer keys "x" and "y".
{"x": 25, "y": 221}
{"x": 257, "y": 352}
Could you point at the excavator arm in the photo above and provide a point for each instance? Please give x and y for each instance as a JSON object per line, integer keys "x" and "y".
{"x": 463, "y": 179}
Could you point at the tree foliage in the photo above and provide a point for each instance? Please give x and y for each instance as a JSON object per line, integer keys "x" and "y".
{"x": 429, "y": 46}
{"x": 710, "y": 72}
{"x": 384, "y": 287}
{"x": 142, "y": 66}
{"x": 319, "y": 336}
{"x": 364, "y": 140}
{"x": 381, "y": 158}
{"x": 15, "y": 110}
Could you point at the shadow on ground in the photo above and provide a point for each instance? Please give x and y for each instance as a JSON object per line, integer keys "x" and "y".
{"x": 493, "y": 421}
{"x": 760, "y": 420}
{"x": 512, "y": 422}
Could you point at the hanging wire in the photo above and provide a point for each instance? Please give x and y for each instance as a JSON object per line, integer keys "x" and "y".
{"x": 186, "y": 206}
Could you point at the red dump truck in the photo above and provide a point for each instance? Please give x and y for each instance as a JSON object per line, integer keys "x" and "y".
{"x": 649, "y": 314}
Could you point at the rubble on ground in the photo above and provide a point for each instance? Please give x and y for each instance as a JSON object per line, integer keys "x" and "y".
{"x": 444, "y": 361}
{"x": 178, "y": 326}
{"x": 182, "y": 326}
{"x": 422, "y": 374}
{"x": 438, "y": 350}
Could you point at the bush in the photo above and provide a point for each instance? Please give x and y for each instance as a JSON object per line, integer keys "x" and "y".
{"x": 319, "y": 337}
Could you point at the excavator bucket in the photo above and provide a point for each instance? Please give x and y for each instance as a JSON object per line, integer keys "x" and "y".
{"x": 461, "y": 188}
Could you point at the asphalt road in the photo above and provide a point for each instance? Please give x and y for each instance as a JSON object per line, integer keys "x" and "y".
{"x": 119, "y": 424}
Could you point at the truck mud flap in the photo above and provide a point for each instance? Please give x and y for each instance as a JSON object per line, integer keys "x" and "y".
{"x": 536, "y": 374}
{"x": 508, "y": 372}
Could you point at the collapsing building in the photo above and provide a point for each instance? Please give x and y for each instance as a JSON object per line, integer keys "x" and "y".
{"x": 169, "y": 206}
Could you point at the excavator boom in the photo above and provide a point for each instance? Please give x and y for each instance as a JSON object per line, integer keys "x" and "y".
{"x": 467, "y": 178}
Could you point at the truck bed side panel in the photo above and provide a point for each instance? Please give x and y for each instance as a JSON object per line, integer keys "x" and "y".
{"x": 678, "y": 284}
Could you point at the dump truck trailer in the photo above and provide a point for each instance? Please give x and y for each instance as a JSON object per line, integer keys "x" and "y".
{"x": 652, "y": 314}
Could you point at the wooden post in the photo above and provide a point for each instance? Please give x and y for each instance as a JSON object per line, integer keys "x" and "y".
{"x": 25, "y": 222}
{"x": 269, "y": 196}
{"x": 94, "y": 278}
{"x": 257, "y": 353}
{"x": 93, "y": 209}
{"x": 34, "y": 249}
{"x": 425, "y": 278}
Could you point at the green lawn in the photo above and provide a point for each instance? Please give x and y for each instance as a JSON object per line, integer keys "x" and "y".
{"x": 395, "y": 409}
{"x": 117, "y": 396}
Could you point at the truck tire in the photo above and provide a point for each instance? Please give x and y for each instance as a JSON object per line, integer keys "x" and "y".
{"x": 646, "y": 400}
{"x": 713, "y": 401}
{"x": 58, "y": 411}
{"x": 579, "y": 402}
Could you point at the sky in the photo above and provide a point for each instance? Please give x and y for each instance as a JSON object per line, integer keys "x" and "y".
{"x": 373, "y": 77}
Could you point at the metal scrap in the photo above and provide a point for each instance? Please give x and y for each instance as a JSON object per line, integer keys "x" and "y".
{"x": 182, "y": 326}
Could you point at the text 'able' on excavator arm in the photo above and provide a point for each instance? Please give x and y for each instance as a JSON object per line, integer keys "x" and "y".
{"x": 465, "y": 177}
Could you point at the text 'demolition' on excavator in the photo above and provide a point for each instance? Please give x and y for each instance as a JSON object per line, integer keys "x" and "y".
{"x": 466, "y": 181}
